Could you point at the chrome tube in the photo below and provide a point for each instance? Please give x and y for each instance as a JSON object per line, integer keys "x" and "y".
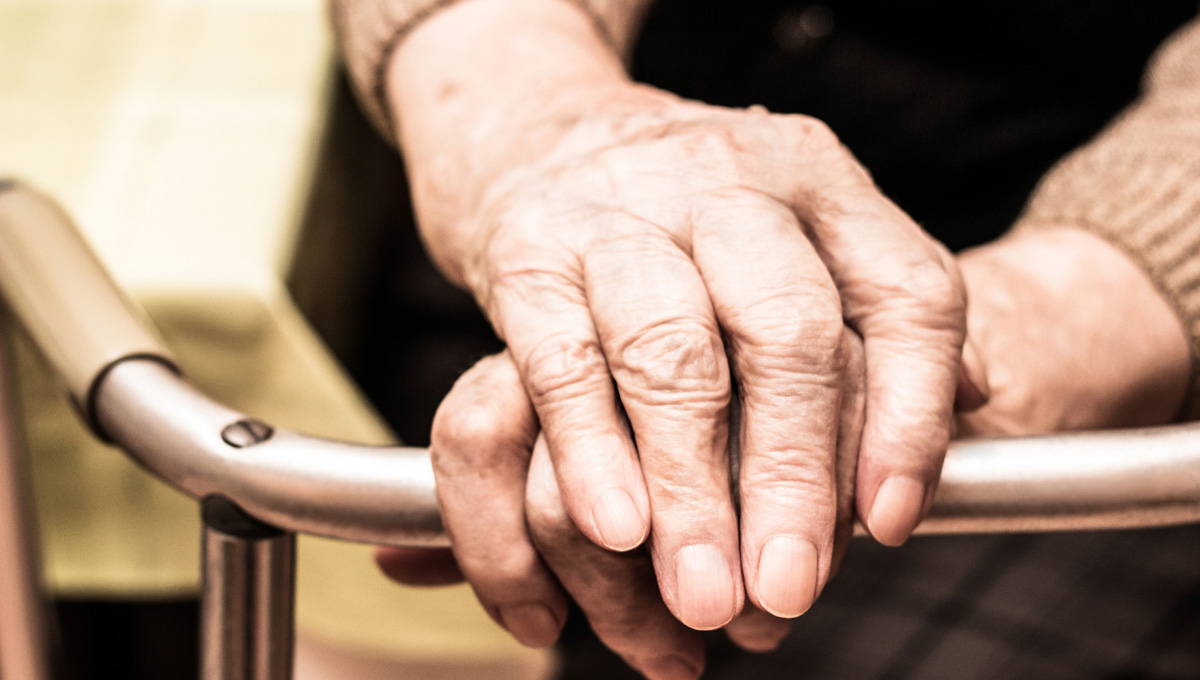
{"x": 24, "y": 652}
{"x": 246, "y": 621}
{"x": 302, "y": 484}
{"x": 1083, "y": 481}
{"x": 1148, "y": 477}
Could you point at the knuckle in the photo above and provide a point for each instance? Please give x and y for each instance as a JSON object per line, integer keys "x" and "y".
{"x": 677, "y": 360}
{"x": 718, "y": 146}
{"x": 622, "y": 630}
{"x": 818, "y": 132}
{"x": 791, "y": 481}
{"x": 563, "y": 365}
{"x": 912, "y": 422}
{"x": 469, "y": 428}
{"x": 550, "y": 526}
{"x": 801, "y": 333}
{"x": 929, "y": 285}
{"x": 683, "y": 498}
{"x": 534, "y": 279}
{"x": 480, "y": 432}
{"x": 505, "y": 569}
{"x": 513, "y": 241}
{"x": 818, "y": 142}
{"x": 810, "y": 321}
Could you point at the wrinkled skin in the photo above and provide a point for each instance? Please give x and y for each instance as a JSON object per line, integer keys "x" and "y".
{"x": 1075, "y": 335}
{"x": 642, "y": 256}
{"x": 651, "y": 260}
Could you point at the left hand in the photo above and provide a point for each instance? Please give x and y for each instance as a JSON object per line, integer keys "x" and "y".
{"x": 514, "y": 541}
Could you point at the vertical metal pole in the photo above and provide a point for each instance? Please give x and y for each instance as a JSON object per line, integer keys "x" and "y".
{"x": 24, "y": 633}
{"x": 246, "y": 612}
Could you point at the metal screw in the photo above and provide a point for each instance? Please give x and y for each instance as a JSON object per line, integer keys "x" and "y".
{"x": 247, "y": 432}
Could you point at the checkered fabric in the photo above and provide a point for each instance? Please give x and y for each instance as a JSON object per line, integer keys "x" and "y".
{"x": 1073, "y": 606}
{"x": 1054, "y": 606}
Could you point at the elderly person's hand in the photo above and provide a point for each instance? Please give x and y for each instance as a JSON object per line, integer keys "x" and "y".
{"x": 514, "y": 542}
{"x": 639, "y": 254}
{"x": 1076, "y": 335}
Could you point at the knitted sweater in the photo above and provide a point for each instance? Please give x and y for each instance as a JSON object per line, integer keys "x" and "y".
{"x": 1137, "y": 184}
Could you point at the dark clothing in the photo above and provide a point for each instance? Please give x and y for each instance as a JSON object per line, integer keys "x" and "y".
{"x": 956, "y": 108}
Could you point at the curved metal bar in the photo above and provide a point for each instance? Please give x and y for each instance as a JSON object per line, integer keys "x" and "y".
{"x": 303, "y": 484}
{"x": 1089, "y": 480}
{"x": 60, "y": 292}
{"x": 1106, "y": 480}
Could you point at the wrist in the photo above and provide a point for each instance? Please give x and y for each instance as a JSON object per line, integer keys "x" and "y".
{"x": 481, "y": 87}
{"x": 1075, "y": 335}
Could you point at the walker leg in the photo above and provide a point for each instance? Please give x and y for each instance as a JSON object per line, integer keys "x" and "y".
{"x": 246, "y": 617}
{"x": 24, "y": 629}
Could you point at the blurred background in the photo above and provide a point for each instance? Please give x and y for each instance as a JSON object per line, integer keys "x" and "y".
{"x": 214, "y": 158}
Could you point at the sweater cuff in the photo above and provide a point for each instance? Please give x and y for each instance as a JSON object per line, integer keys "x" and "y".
{"x": 1152, "y": 213}
{"x": 369, "y": 31}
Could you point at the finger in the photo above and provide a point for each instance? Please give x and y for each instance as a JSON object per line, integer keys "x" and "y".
{"x": 419, "y": 566}
{"x": 901, "y": 291}
{"x": 782, "y": 320}
{"x": 757, "y": 631}
{"x": 657, "y": 328}
{"x": 482, "y": 436}
{"x": 913, "y": 335}
{"x": 853, "y": 410}
{"x": 545, "y": 320}
{"x": 616, "y": 591}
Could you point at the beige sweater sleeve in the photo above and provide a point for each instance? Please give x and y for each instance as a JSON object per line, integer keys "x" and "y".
{"x": 370, "y": 30}
{"x": 1138, "y": 185}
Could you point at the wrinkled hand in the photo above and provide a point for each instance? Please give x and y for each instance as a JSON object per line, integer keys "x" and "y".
{"x": 515, "y": 543}
{"x": 1075, "y": 336}
{"x": 659, "y": 253}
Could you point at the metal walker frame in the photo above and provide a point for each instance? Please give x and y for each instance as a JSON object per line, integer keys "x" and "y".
{"x": 259, "y": 485}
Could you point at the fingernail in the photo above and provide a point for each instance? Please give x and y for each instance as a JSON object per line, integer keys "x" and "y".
{"x": 531, "y": 624}
{"x": 787, "y": 576}
{"x": 973, "y": 389}
{"x": 671, "y": 668}
{"x": 617, "y": 519}
{"x": 704, "y": 586}
{"x": 897, "y": 509}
